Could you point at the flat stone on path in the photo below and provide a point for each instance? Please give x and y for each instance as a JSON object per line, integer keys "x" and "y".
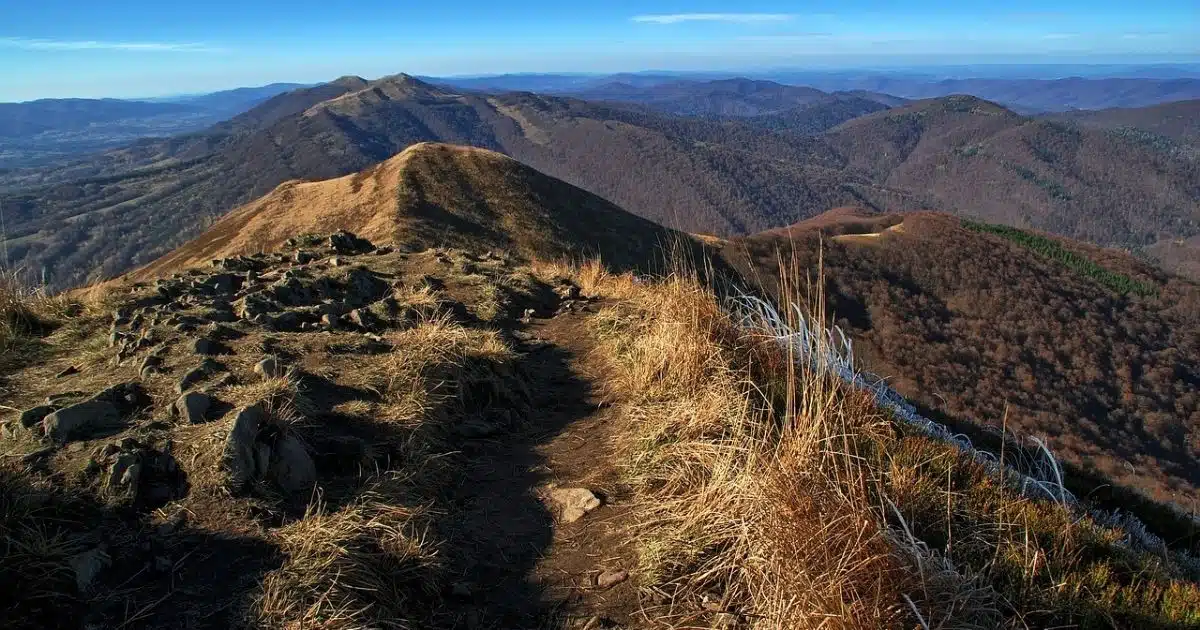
{"x": 573, "y": 503}
{"x": 609, "y": 579}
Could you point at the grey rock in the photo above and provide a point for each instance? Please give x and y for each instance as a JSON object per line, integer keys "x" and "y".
{"x": 203, "y": 346}
{"x": 31, "y": 417}
{"x": 225, "y": 315}
{"x": 193, "y": 376}
{"x": 150, "y": 365}
{"x": 220, "y": 332}
{"x": 88, "y": 566}
{"x": 255, "y": 304}
{"x": 65, "y": 398}
{"x": 291, "y": 467}
{"x": 363, "y": 287}
{"x": 286, "y": 321}
{"x": 302, "y": 257}
{"x": 238, "y": 458}
{"x": 69, "y": 422}
{"x": 343, "y": 242}
{"x": 269, "y": 368}
{"x": 192, "y": 406}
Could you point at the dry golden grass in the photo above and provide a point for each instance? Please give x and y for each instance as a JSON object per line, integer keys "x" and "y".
{"x": 367, "y": 565}
{"x": 743, "y": 514}
{"x": 772, "y": 496}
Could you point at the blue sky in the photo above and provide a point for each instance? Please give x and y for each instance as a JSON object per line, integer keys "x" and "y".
{"x": 86, "y": 48}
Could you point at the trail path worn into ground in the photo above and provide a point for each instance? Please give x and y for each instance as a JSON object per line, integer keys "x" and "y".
{"x": 536, "y": 570}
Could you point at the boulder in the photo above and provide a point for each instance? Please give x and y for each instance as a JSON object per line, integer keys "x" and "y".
{"x": 34, "y": 415}
{"x": 363, "y": 287}
{"x": 221, "y": 332}
{"x": 286, "y": 321}
{"x": 291, "y": 468}
{"x": 343, "y": 242}
{"x": 193, "y": 376}
{"x": 192, "y": 406}
{"x": 72, "y": 421}
{"x": 238, "y": 458}
{"x": 255, "y": 304}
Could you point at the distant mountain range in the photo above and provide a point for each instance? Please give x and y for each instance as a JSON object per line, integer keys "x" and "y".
{"x": 1024, "y": 95}
{"x": 53, "y": 130}
{"x": 709, "y": 172}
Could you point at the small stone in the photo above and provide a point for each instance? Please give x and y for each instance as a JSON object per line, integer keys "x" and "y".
{"x": 574, "y": 503}
{"x": 87, "y": 567}
{"x": 609, "y": 579}
{"x": 269, "y": 368}
{"x": 67, "y": 372}
{"x": 150, "y": 365}
{"x": 302, "y": 257}
{"x": 192, "y": 406}
{"x": 568, "y": 291}
{"x": 173, "y": 524}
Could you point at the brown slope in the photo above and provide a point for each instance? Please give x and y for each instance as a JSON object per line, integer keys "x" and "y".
{"x": 1179, "y": 120}
{"x": 974, "y": 327}
{"x": 435, "y": 195}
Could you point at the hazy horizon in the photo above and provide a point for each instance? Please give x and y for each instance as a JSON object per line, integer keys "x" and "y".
{"x": 142, "y": 48}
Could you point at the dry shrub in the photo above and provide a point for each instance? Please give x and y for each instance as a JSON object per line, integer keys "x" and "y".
{"x": 368, "y": 565}
{"x": 746, "y": 509}
{"x": 774, "y": 495}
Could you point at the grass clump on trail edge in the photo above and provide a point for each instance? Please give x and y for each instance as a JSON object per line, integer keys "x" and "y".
{"x": 771, "y": 494}
{"x": 1050, "y": 248}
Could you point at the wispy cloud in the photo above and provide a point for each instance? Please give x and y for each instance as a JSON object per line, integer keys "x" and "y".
{"x": 737, "y": 18}
{"x": 1143, "y": 35}
{"x": 68, "y": 45}
{"x": 785, "y": 37}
